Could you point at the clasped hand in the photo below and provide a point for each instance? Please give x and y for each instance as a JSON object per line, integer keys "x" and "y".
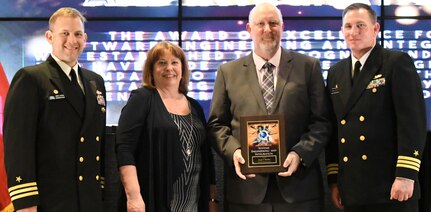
{"x": 291, "y": 163}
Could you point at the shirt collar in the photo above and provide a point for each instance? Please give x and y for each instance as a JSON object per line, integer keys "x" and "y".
{"x": 275, "y": 60}
{"x": 363, "y": 59}
{"x": 64, "y": 67}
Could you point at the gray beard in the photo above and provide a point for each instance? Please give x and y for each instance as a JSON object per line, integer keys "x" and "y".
{"x": 270, "y": 48}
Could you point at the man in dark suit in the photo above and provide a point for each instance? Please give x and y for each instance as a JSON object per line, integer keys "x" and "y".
{"x": 54, "y": 126}
{"x": 298, "y": 94}
{"x": 380, "y": 114}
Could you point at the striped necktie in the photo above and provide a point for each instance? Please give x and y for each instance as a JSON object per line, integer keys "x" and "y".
{"x": 268, "y": 86}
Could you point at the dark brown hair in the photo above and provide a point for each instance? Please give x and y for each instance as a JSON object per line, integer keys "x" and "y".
{"x": 155, "y": 54}
{"x": 357, "y": 6}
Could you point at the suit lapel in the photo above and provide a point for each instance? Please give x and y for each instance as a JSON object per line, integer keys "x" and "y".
{"x": 54, "y": 75}
{"x": 283, "y": 73}
{"x": 55, "y": 72}
{"x": 90, "y": 88}
{"x": 249, "y": 70}
{"x": 372, "y": 65}
{"x": 345, "y": 80}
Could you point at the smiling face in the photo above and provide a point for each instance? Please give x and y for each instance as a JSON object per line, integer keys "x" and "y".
{"x": 265, "y": 27}
{"x": 67, "y": 38}
{"x": 167, "y": 71}
{"x": 359, "y": 31}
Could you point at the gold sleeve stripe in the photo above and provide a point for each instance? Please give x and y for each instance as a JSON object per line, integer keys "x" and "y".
{"x": 332, "y": 169}
{"x": 408, "y": 163}
{"x": 408, "y": 166}
{"x": 24, "y": 190}
{"x": 22, "y": 186}
{"x": 332, "y": 172}
{"x": 410, "y": 159}
{"x": 24, "y": 195}
{"x": 332, "y": 165}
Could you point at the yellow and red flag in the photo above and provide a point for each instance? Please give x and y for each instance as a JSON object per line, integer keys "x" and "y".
{"x": 5, "y": 202}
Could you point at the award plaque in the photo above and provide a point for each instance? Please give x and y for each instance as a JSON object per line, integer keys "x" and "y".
{"x": 263, "y": 144}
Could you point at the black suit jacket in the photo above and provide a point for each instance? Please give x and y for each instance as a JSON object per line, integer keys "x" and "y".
{"x": 299, "y": 96}
{"x": 381, "y": 126}
{"x": 53, "y": 154}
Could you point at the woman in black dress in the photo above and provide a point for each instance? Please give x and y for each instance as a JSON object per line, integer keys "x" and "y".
{"x": 164, "y": 157}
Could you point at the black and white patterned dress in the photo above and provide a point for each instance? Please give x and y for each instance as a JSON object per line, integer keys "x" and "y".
{"x": 186, "y": 186}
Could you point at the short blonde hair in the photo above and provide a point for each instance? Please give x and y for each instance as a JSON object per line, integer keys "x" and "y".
{"x": 155, "y": 54}
{"x": 66, "y": 12}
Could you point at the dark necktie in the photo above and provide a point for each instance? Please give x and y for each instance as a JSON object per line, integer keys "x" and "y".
{"x": 356, "y": 72}
{"x": 74, "y": 81}
{"x": 77, "y": 96}
{"x": 268, "y": 86}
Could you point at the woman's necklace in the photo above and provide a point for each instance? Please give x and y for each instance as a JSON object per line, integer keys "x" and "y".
{"x": 188, "y": 141}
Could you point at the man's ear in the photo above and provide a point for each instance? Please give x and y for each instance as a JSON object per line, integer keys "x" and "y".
{"x": 376, "y": 28}
{"x": 48, "y": 36}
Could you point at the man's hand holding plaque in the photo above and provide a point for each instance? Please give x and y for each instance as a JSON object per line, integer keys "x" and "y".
{"x": 291, "y": 164}
{"x": 238, "y": 160}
